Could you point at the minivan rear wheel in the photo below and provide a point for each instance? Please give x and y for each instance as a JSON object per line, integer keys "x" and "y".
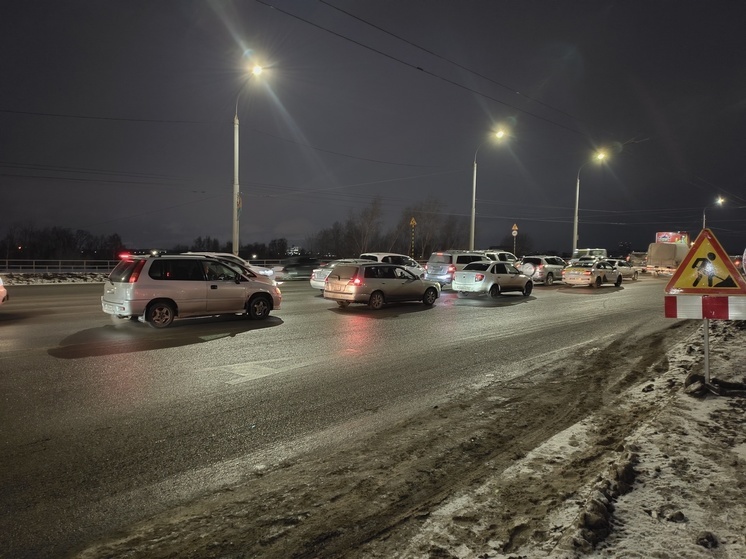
{"x": 376, "y": 300}
{"x": 160, "y": 314}
{"x": 258, "y": 308}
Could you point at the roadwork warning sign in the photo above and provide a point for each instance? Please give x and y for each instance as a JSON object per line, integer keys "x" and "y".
{"x": 706, "y": 270}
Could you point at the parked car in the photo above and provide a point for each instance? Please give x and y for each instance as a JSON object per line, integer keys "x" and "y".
{"x": 393, "y": 258}
{"x": 318, "y": 276}
{"x": 591, "y": 273}
{"x": 597, "y": 253}
{"x": 625, "y": 268}
{"x": 499, "y": 255}
{"x": 541, "y": 268}
{"x": 260, "y": 270}
{"x": 161, "y": 288}
{"x": 3, "y": 292}
{"x": 495, "y": 278}
{"x": 441, "y": 266}
{"x": 376, "y": 284}
{"x": 297, "y": 267}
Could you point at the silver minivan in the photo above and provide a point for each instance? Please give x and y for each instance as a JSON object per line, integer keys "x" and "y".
{"x": 160, "y": 288}
{"x": 442, "y": 265}
{"x": 376, "y": 284}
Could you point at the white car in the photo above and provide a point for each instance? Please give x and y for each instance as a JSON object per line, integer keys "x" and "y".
{"x": 495, "y": 278}
{"x": 260, "y": 270}
{"x": 625, "y": 268}
{"x": 319, "y": 275}
{"x": 3, "y": 292}
{"x": 592, "y": 274}
{"x": 393, "y": 258}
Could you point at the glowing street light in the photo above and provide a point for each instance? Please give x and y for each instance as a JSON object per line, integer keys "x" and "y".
{"x": 255, "y": 71}
{"x": 599, "y": 156}
{"x": 497, "y": 135}
{"x": 718, "y": 202}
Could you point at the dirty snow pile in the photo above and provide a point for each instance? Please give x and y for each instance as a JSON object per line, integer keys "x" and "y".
{"x": 675, "y": 489}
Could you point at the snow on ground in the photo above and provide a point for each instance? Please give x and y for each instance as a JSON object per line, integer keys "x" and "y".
{"x": 676, "y": 488}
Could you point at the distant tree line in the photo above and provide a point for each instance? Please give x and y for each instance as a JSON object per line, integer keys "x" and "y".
{"x": 420, "y": 230}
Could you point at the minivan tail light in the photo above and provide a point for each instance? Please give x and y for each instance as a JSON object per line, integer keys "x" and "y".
{"x": 136, "y": 272}
{"x": 451, "y": 268}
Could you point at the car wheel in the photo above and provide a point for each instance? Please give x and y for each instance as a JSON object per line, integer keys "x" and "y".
{"x": 160, "y": 314}
{"x": 528, "y": 288}
{"x": 495, "y": 291}
{"x": 598, "y": 282}
{"x": 258, "y": 308}
{"x": 343, "y": 304}
{"x": 376, "y": 300}
{"x": 618, "y": 281}
{"x": 549, "y": 279}
{"x": 430, "y": 296}
{"x": 634, "y": 276}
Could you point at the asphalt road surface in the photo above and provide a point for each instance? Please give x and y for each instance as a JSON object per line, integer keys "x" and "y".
{"x": 106, "y": 422}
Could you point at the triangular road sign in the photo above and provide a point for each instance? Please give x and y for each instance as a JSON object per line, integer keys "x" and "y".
{"x": 707, "y": 270}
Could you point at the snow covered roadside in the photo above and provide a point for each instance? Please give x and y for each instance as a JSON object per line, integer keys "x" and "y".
{"x": 674, "y": 489}
{"x": 13, "y": 278}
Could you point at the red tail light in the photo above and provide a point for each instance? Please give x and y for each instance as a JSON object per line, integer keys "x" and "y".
{"x": 136, "y": 272}
{"x": 451, "y": 269}
{"x": 478, "y": 277}
{"x": 355, "y": 281}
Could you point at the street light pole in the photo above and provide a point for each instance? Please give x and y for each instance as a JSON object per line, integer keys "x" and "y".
{"x": 718, "y": 202}
{"x": 499, "y": 134}
{"x": 598, "y": 157}
{"x": 237, "y": 203}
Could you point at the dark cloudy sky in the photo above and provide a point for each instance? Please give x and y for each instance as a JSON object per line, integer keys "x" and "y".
{"x": 117, "y": 116}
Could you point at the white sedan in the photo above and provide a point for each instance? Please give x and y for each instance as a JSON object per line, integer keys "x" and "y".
{"x": 591, "y": 274}
{"x": 494, "y": 278}
{"x": 624, "y": 267}
{"x": 319, "y": 275}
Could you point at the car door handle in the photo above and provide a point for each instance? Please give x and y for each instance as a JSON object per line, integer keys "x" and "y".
{"x": 213, "y": 286}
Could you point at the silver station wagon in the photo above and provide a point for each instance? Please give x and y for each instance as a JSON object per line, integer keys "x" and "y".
{"x": 376, "y": 284}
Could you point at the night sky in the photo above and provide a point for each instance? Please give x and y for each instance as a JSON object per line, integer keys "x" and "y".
{"x": 117, "y": 116}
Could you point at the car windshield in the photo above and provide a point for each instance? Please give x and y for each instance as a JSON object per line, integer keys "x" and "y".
{"x": 480, "y": 266}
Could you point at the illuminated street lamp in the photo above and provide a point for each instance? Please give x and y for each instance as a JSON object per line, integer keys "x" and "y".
{"x": 498, "y": 135}
{"x": 599, "y": 156}
{"x": 718, "y": 202}
{"x": 255, "y": 71}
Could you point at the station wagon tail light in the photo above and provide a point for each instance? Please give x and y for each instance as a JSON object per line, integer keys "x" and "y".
{"x": 136, "y": 272}
{"x": 356, "y": 280}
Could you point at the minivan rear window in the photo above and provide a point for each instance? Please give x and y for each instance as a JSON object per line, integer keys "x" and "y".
{"x": 122, "y": 272}
{"x": 439, "y": 258}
